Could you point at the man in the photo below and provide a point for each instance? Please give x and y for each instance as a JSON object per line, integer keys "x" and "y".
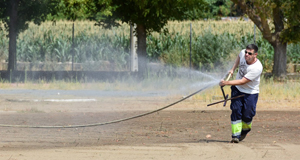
{"x": 246, "y": 83}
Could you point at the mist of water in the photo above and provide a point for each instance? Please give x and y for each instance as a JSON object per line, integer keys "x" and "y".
{"x": 177, "y": 80}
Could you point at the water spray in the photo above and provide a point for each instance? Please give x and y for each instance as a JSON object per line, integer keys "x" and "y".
{"x": 213, "y": 82}
{"x": 114, "y": 121}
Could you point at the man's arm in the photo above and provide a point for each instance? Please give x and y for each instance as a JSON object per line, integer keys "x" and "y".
{"x": 236, "y": 63}
{"x": 234, "y": 82}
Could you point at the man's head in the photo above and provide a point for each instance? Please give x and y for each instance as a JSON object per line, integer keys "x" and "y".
{"x": 252, "y": 47}
{"x": 251, "y": 53}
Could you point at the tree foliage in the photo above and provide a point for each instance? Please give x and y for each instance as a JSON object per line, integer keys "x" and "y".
{"x": 291, "y": 19}
{"x": 80, "y": 9}
{"x": 219, "y": 8}
{"x": 70, "y": 9}
{"x": 154, "y": 14}
{"x": 27, "y": 11}
{"x": 274, "y": 18}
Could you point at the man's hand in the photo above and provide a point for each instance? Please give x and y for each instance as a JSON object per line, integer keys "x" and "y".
{"x": 222, "y": 83}
{"x": 231, "y": 72}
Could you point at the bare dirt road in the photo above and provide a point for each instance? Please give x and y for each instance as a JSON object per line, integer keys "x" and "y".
{"x": 179, "y": 132}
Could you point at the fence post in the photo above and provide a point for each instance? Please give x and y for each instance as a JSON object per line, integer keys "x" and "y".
{"x": 190, "y": 46}
{"x": 72, "y": 49}
{"x": 133, "y": 47}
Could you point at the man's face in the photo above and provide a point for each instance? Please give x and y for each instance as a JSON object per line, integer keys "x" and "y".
{"x": 250, "y": 56}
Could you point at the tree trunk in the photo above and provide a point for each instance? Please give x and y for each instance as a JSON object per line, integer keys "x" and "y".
{"x": 13, "y": 19}
{"x": 280, "y": 60}
{"x": 141, "y": 49}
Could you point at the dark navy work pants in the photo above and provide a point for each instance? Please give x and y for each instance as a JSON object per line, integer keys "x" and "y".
{"x": 243, "y": 110}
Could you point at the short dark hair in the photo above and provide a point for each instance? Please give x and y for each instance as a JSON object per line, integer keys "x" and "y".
{"x": 252, "y": 46}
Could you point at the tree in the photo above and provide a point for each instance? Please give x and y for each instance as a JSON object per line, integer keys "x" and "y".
{"x": 72, "y": 9}
{"x": 16, "y": 14}
{"x": 149, "y": 16}
{"x": 279, "y": 23}
{"x": 219, "y": 8}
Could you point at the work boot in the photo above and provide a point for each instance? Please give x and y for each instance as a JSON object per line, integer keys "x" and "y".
{"x": 243, "y": 136}
{"x": 235, "y": 140}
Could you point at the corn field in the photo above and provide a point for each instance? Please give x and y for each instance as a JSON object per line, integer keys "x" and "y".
{"x": 213, "y": 43}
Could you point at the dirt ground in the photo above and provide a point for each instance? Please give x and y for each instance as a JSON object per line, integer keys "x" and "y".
{"x": 188, "y": 130}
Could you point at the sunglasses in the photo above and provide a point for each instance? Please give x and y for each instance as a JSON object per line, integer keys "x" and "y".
{"x": 250, "y": 53}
